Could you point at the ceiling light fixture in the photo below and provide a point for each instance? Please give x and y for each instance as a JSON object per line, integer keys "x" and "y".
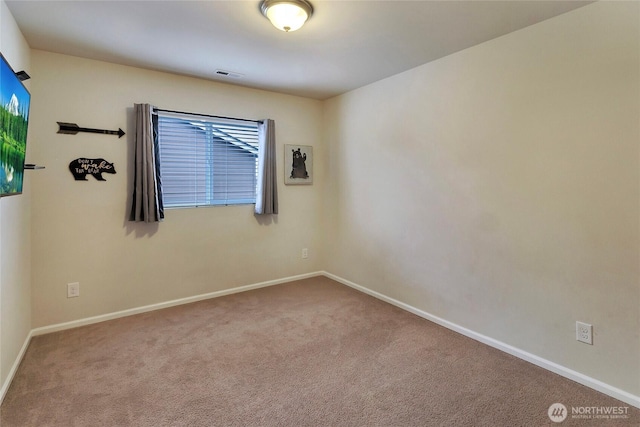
{"x": 286, "y": 15}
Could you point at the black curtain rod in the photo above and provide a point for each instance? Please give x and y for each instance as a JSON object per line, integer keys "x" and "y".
{"x": 206, "y": 115}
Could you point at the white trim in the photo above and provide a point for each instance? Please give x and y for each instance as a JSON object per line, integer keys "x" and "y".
{"x": 124, "y": 313}
{"x": 521, "y": 354}
{"x": 14, "y": 368}
{"x": 109, "y": 316}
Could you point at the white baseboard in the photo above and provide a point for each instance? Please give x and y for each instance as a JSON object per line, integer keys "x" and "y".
{"x": 96, "y": 319}
{"x": 521, "y": 354}
{"x": 109, "y": 316}
{"x": 14, "y": 367}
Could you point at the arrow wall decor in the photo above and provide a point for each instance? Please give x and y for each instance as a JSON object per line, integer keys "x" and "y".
{"x": 72, "y": 129}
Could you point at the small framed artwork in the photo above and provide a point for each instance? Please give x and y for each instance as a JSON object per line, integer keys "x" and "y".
{"x": 298, "y": 164}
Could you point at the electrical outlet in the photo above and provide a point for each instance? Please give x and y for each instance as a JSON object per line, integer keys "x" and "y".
{"x": 584, "y": 332}
{"x": 305, "y": 253}
{"x": 73, "y": 290}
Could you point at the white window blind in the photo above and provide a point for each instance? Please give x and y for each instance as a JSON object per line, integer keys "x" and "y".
{"x": 207, "y": 161}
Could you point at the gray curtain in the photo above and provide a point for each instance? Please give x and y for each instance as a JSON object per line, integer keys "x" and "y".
{"x": 147, "y": 186}
{"x": 267, "y": 194}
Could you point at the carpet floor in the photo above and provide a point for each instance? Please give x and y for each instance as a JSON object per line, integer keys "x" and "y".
{"x": 305, "y": 353}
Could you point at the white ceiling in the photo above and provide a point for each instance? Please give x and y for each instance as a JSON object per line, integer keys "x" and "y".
{"x": 345, "y": 44}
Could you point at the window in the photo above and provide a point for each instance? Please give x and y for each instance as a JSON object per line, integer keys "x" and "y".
{"x": 206, "y": 161}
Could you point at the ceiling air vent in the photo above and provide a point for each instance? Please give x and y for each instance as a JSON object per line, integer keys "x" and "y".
{"x": 229, "y": 74}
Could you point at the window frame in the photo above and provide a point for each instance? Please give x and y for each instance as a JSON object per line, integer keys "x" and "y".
{"x": 232, "y": 137}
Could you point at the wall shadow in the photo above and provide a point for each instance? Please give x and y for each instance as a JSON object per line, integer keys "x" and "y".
{"x": 266, "y": 219}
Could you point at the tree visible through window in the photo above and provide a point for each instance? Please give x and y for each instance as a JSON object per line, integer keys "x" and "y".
{"x": 207, "y": 161}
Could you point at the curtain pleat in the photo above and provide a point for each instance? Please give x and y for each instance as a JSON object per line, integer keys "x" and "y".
{"x": 147, "y": 186}
{"x": 267, "y": 191}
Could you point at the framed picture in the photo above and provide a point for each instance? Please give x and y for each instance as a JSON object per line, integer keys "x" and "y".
{"x": 298, "y": 164}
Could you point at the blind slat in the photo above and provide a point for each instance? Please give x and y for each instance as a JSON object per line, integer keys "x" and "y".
{"x": 207, "y": 162}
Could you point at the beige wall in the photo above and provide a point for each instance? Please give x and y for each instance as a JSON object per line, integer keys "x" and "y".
{"x": 80, "y": 229}
{"x": 15, "y": 229}
{"x": 498, "y": 188}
